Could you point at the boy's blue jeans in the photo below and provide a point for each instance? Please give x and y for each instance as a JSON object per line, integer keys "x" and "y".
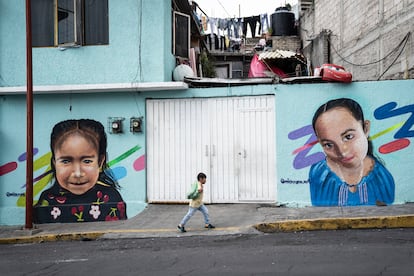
{"x": 203, "y": 209}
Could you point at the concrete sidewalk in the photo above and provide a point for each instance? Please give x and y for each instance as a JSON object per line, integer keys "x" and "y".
{"x": 159, "y": 220}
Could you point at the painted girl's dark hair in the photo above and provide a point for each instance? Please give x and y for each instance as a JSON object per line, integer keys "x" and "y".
{"x": 91, "y": 130}
{"x": 349, "y": 104}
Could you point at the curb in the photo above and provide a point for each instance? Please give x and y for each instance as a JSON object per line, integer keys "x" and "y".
{"x": 52, "y": 237}
{"x": 401, "y": 221}
{"x": 37, "y": 237}
{"x": 404, "y": 221}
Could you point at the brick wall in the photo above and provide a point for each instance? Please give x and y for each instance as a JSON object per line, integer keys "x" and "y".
{"x": 364, "y": 32}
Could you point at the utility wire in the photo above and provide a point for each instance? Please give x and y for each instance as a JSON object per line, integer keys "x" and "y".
{"x": 224, "y": 8}
{"x": 399, "y": 54}
{"x": 403, "y": 41}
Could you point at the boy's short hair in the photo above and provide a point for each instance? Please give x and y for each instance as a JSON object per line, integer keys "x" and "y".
{"x": 201, "y": 176}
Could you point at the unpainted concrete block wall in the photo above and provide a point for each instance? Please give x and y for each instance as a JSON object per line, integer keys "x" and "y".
{"x": 289, "y": 43}
{"x": 367, "y": 37}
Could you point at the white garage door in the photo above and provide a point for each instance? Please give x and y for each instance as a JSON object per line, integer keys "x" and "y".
{"x": 230, "y": 139}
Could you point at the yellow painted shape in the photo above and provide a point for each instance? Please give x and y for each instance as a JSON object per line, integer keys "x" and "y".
{"x": 42, "y": 161}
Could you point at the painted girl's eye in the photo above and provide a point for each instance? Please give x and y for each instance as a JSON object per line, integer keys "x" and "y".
{"x": 64, "y": 161}
{"x": 348, "y": 137}
{"x": 88, "y": 161}
{"x": 327, "y": 146}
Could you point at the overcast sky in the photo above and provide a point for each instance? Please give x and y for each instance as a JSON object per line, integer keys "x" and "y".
{"x": 230, "y": 8}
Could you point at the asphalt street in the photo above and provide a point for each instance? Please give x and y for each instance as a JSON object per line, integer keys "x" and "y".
{"x": 338, "y": 252}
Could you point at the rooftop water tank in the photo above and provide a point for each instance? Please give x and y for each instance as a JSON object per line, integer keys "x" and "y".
{"x": 283, "y": 22}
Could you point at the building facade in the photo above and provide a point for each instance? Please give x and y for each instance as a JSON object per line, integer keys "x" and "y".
{"x": 253, "y": 141}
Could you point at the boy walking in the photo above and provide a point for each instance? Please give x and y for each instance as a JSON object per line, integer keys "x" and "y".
{"x": 197, "y": 204}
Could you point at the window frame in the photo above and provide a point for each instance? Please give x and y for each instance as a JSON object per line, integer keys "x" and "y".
{"x": 179, "y": 36}
{"x": 46, "y": 18}
{"x": 78, "y": 22}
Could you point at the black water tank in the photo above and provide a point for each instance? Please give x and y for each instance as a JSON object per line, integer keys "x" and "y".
{"x": 283, "y": 22}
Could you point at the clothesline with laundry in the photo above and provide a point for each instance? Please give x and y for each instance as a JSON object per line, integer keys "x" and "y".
{"x": 236, "y": 27}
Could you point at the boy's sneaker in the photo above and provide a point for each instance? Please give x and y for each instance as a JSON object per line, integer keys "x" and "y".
{"x": 181, "y": 228}
{"x": 209, "y": 226}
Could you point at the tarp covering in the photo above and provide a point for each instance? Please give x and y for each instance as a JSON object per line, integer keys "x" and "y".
{"x": 259, "y": 69}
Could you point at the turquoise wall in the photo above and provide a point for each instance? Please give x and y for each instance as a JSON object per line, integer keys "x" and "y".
{"x": 139, "y": 48}
{"x": 392, "y": 134}
{"x": 295, "y": 105}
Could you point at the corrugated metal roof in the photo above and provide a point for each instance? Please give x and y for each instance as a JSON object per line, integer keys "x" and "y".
{"x": 277, "y": 54}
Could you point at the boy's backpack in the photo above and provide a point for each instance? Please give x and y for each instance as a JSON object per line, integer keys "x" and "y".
{"x": 193, "y": 193}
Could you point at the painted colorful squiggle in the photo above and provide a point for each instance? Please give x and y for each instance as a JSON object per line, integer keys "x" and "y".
{"x": 303, "y": 159}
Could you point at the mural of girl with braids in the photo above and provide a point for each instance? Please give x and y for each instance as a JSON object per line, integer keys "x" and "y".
{"x": 84, "y": 189}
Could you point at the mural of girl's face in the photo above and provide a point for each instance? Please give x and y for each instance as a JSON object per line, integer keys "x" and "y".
{"x": 77, "y": 164}
{"x": 342, "y": 137}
